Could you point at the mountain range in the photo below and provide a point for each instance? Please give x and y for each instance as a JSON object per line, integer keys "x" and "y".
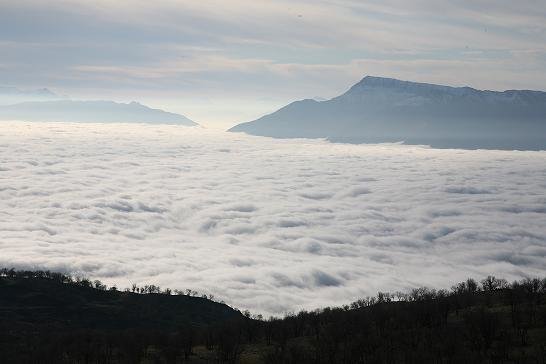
{"x": 13, "y": 95}
{"x": 378, "y": 109}
{"x": 90, "y": 111}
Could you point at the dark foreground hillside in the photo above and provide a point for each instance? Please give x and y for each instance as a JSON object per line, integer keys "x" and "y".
{"x": 52, "y": 318}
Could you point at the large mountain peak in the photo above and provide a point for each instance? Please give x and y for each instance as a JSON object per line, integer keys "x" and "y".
{"x": 379, "y": 109}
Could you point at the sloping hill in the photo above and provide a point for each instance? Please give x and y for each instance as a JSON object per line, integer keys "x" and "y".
{"x": 51, "y": 318}
{"x": 387, "y": 110}
{"x": 34, "y": 302}
{"x": 90, "y": 111}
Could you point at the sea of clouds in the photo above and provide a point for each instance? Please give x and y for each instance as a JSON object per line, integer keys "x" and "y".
{"x": 267, "y": 225}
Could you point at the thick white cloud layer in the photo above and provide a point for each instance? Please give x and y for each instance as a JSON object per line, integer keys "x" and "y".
{"x": 268, "y": 225}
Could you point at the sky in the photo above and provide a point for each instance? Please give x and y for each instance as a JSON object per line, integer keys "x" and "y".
{"x": 264, "y": 224}
{"x": 225, "y": 62}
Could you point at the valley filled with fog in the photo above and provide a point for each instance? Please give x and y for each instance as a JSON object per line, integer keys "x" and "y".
{"x": 265, "y": 224}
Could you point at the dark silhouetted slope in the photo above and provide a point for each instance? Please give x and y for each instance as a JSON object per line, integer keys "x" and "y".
{"x": 51, "y": 318}
{"x": 36, "y": 302}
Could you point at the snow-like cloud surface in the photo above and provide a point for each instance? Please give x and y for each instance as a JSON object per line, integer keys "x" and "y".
{"x": 269, "y": 225}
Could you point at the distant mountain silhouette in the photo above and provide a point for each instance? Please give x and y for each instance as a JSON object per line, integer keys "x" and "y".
{"x": 15, "y": 91}
{"x": 14, "y": 95}
{"x": 388, "y": 110}
{"x": 90, "y": 111}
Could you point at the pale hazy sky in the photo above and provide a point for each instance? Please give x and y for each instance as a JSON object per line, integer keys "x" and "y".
{"x": 224, "y": 62}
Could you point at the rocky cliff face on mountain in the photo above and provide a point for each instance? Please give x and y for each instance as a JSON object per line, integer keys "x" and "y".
{"x": 387, "y": 110}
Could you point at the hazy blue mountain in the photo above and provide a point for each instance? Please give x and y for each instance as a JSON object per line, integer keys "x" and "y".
{"x": 387, "y": 110}
{"x": 90, "y": 111}
{"x": 14, "y": 95}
